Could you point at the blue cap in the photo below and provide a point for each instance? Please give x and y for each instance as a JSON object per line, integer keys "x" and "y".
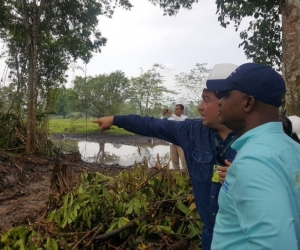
{"x": 260, "y": 81}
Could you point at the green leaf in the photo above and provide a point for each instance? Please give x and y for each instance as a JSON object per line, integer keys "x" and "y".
{"x": 108, "y": 197}
{"x": 20, "y": 244}
{"x": 65, "y": 221}
{"x": 183, "y": 208}
{"x": 51, "y": 215}
{"x": 51, "y": 244}
{"x": 137, "y": 210}
{"x": 165, "y": 229}
{"x": 130, "y": 208}
{"x": 80, "y": 190}
{"x": 71, "y": 200}
{"x": 65, "y": 202}
{"x": 193, "y": 231}
{"x": 4, "y": 237}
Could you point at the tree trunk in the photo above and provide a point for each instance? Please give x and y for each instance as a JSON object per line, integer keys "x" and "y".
{"x": 30, "y": 107}
{"x": 32, "y": 85}
{"x": 291, "y": 54}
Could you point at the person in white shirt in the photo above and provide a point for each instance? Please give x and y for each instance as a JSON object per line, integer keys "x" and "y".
{"x": 176, "y": 152}
{"x": 295, "y": 124}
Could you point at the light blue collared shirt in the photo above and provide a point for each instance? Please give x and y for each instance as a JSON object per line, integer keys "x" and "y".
{"x": 259, "y": 203}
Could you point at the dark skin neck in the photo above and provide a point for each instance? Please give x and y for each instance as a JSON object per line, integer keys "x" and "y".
{"x": 261, "y": 114}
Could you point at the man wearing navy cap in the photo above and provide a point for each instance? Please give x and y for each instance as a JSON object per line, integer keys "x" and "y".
{"x": 259, "y": 203}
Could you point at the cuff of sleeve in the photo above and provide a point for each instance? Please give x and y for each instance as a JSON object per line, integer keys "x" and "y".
{"x": 117, "y": 120}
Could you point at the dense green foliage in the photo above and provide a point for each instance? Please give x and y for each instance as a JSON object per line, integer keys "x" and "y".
{"x": 147, "y": 92}
{"x": 114, "y": 93}
{"x": 262, "y": 41}
{"x": 137, "y": 210}
{"x": 100, "y": 95}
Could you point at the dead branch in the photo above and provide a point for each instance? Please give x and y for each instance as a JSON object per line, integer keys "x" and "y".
{"x": 94, "y": 236}
{"x": 77, "y": 243}
{"x": 111, "y": 234}
{"x": 70, "y": 234}
{"x": 166, "y": 243}
{"x": 11, "y": 149}
{"x": 27, "y": 158}
{"x": 97, "y": 229}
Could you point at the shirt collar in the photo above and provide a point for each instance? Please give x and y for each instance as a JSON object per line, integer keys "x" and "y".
{"x": 230, "y": 135}
{"x": 270, "y": 127}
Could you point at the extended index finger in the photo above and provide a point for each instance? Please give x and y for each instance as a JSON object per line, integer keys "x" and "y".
{"x": 96, "y": 121}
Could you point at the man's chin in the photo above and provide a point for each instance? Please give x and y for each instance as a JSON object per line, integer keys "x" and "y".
{"x": 204, "y": 122}
{"x": 221, "y": 121}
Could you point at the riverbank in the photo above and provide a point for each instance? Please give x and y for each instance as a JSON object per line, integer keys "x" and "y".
{"x": 111, "y": 138}
{"x": 25, "y": 180}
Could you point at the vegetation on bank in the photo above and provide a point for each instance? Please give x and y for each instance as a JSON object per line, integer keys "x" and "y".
{"x": 139, "y": 209}
{"x": 80, "y": 126}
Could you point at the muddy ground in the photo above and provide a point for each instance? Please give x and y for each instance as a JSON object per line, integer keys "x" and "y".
{"x": 25, "y": 179}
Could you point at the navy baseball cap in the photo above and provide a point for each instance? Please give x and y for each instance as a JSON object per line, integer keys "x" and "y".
{"x": 260, "y": 81}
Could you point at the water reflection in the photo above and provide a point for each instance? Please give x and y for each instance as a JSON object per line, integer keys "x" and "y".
{"x": 113, "y": 153}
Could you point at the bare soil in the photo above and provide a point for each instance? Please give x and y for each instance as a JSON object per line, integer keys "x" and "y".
{"x": 25, "y": 179}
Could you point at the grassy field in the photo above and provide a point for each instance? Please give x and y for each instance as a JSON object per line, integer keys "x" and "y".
{"x": 80, "y": 126}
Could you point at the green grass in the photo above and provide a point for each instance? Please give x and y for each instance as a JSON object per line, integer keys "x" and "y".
{"x": 80, "y": 126}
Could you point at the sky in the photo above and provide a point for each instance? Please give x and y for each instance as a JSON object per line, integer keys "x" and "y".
{"x": 139, "y": 38}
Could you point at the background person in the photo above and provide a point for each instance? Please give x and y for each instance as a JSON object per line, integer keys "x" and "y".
{"x": 176, "y": 152}
{"x": 295, "y": 124}
{"x": 288, "y": 128}
{"x": 260, "y": 199}
{"x": 205, "y": 143}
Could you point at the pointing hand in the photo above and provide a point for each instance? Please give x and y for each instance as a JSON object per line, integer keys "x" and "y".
{"x": 104, "y": 122}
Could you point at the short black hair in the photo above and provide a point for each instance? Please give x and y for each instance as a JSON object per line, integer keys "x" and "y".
{"x": 181, "y": 106}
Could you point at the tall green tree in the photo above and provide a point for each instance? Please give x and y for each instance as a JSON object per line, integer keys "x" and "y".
{"x": 192, "y": 83}
{"x": 43, "y": 36}
{"x": 148, "y": 92}
{"x": 272, "y": 38}
{"x": 61, "y": 107}
{"x": 101, "y": 95}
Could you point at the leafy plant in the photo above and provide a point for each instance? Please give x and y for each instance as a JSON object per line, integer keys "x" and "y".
{"x": 140, "y": 209}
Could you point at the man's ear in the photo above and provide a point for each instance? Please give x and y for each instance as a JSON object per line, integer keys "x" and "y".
{"x": 249, "y": 103}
